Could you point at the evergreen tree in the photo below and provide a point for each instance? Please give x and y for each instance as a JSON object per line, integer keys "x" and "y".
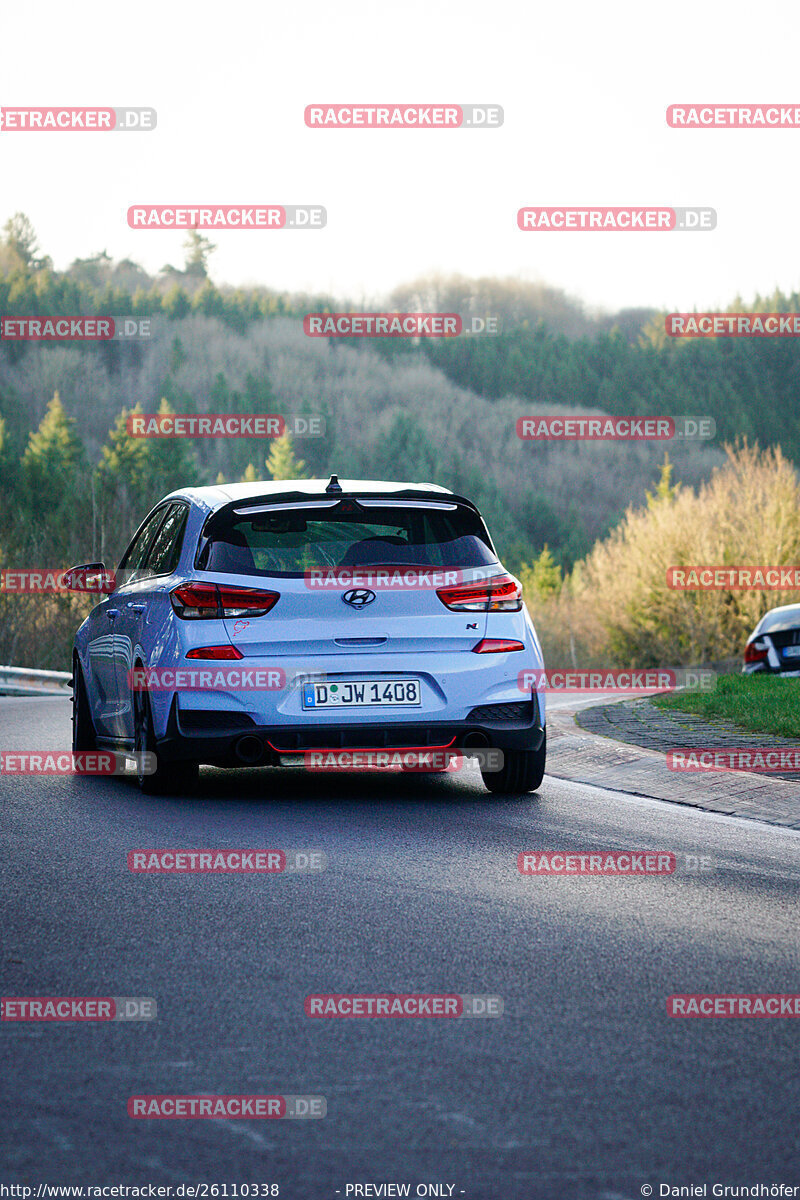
{"x": 176, "y": 304}
{"x": 177, "y": 356}
{"x": 54, "y": 459}
{"x": 198, "y": 251}
{"x": 171, "y": 462}
{"x": 543, "y": 579}
{"x": 123, "y": 485}
{"x": 55, "y": 513}
{"x": 281, "y": 462}
{"x": 21, "y": 239}
{"x": 665, "y": 491}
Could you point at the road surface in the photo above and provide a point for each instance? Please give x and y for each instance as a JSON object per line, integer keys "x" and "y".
{"x": 583, "y": 1088}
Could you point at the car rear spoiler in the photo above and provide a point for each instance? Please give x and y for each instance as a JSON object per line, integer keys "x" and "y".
{"x": 220, "y": 515}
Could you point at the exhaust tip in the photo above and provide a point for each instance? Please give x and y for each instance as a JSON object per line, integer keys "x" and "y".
{"x": 475, "y": 741}
{"x": 249, "y": 749}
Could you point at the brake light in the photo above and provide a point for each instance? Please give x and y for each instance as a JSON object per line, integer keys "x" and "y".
{"x": 246, "y": 602}
{"x": 501, "y": 593}
{"x": 215, "y": 652}
{"x": 210, "y": 601}
{"x": 497, "y": 646}
{"x": 195, "y": 600}
{"x": 755, "y": 652}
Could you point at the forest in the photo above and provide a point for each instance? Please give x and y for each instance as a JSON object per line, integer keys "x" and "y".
{"x": 76, "y": 483}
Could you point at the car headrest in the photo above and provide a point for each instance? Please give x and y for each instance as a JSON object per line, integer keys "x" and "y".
{"x": 232, "y": 556}
{"x": 376, "y": 550}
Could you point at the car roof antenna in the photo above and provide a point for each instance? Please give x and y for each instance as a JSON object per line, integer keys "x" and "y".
{"x": 334, "y": 485}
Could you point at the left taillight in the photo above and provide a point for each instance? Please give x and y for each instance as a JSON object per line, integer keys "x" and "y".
{"x": 501, "y": 593}
{"x": 213, "y": 601}
{"x": 756, "y": 652}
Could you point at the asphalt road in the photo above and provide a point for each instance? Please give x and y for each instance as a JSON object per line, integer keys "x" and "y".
{"x": 584, "y": 1088}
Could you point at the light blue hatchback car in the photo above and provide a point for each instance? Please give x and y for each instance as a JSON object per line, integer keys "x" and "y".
{"x": 252, "y": 623}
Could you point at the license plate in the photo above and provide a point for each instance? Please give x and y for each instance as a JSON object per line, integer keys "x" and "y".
{"x": 791, "y": 652}
{"x": 362, "y": 693}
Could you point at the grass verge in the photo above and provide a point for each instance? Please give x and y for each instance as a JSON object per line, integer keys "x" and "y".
{"x": 760, "y": 703}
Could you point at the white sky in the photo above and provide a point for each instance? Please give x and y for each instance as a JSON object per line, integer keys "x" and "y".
{"x": 584, "y": 87}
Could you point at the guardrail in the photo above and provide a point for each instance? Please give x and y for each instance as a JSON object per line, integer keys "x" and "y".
{"x": 25, "y": 681}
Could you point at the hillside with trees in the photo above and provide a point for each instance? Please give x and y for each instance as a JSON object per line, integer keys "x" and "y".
{"x": 443, "y": 411}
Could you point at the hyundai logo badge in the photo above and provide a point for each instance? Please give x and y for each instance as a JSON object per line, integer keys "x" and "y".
{"x": 358, "y": 597}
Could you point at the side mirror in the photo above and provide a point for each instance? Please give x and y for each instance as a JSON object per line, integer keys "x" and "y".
{"x": 90, "y": 577}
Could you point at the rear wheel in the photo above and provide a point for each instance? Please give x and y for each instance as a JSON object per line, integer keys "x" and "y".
{"x": 522, "y": 771}
{"x": 168, "y": 776}
{"x": 84, "y": 736}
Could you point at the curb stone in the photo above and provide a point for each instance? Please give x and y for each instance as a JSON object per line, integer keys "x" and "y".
{"x": 622, "y": 746}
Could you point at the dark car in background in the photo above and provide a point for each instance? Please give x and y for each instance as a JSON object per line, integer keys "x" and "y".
{"x": 774, "y": 645}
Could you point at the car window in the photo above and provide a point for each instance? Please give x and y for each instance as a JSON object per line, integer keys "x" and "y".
{"x": 293, "y": 541}
{"x": 165, "y": 549}
{"x": 134, "y": 556}
{"x": 776, "y": 622}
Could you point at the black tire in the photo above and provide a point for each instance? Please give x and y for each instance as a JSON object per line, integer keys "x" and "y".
{"x": 84, "y": 736}
{"x": 523, "y": 771}
{"x": 175, "y": 777}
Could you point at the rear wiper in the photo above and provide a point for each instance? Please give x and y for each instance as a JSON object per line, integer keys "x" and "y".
{"x": 392, "y": 566}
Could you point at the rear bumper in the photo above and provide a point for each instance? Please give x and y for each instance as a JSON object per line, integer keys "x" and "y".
{"x": 763, "y": 668}
{"x": 212, "y": 736}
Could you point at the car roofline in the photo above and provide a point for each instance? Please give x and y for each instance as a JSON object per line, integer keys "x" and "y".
{"x": 300, "y": 497}
{"x": 220, "y": 495}
{"x": 413, "y": 493}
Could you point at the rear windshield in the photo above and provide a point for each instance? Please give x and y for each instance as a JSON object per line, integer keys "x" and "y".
{"x": 774, "y": 622}
{"x": 293, "y": 541}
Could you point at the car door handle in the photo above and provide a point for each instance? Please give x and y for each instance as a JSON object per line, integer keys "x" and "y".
{"x": 137, "y": 607}
{"x": 112, "y": 613}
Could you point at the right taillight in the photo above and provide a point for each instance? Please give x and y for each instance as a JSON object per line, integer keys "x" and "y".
{"x": 501, "y": 593}
{"x": 216, "y": 653}
{"x": 213, "y": 601}
{"x": 755, "y": 652}
{"x": 497, "y": 646}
